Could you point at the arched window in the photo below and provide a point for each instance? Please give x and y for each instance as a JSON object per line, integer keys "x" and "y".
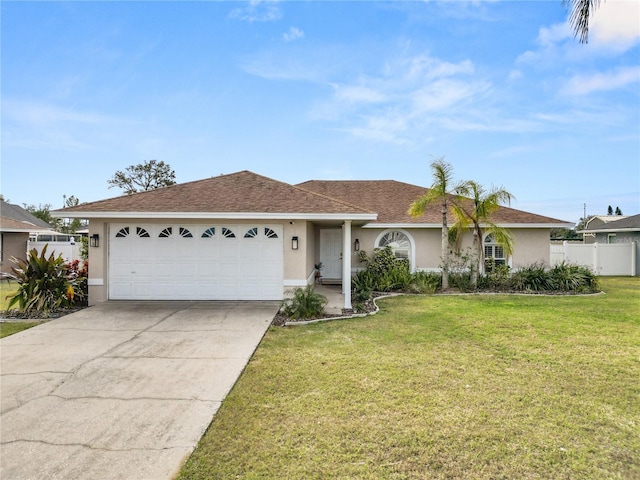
{"x": 493, "y": 251}
{"x": 401, "y": 244}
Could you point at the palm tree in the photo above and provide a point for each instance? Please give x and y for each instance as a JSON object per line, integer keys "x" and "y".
{"x": 439, "y": 193}
{"x": 579, "y": 17}
{"x": 475, "y": 213}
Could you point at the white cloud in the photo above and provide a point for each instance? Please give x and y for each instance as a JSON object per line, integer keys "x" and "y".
{"x": 357, "y": 94}
{"x": 257, "y": 11}
{"x": 403, "y": 97}
{"x": 292, "y": 34}
{"x": 514, "y": 75}
{"x": 555, "y": 33}
{"x": 616, "y": 23}
{"x": 38, "y": 114}
{"x": 585, "y": 84}
{"x": 35, "y": 125}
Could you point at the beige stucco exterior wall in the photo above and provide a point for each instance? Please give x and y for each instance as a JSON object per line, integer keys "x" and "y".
{"x": 98, "y": 263}
{"x": 13, "y": 245}
{"x": 531, "y": 245}
{"x": 295, "y": 261}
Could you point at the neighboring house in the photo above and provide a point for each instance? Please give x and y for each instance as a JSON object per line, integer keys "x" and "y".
{"x": 244, "y": 236}
{"x": 16, "y": 224}
{"x": 596, "y": 222}
{"x": 617, "y": 230}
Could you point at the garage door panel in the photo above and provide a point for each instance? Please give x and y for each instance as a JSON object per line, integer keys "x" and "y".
{"x": 195, "y": 262}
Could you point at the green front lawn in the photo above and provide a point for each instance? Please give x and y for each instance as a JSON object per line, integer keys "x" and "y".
{"x": 7, "y": 289}
{"x": 9, "y": 328}
{"x": 490, "y": 386}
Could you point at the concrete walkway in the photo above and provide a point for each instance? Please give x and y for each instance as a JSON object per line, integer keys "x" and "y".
{"x": 121, "y": 390}
{"x": 335, "y": 297}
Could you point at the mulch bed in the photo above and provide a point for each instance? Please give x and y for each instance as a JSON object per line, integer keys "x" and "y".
{"x": 17, "y": 316}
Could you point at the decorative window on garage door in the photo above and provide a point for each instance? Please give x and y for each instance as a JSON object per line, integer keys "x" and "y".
{"x": 166, "y": 232}
{"x": 269, "y": 233}
{"x": 251, "y": 233}
{"x": 209, "y": 232}
{"x": 228, "y": 233}
{"x": 185, "y": 233}
{"x": 125, "y": 231}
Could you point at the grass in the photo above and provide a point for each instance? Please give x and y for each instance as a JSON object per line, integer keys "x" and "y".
{"x": 480, "y": 387}
{"x": 9, "y": 328}
{"x": 7, "y": 289}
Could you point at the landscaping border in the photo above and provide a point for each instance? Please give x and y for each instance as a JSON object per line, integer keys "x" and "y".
{"x": 377, "y": 309}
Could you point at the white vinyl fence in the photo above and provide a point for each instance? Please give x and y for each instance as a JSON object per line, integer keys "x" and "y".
{"x": 69, "y": 251}
{"x": 603, "y": 259}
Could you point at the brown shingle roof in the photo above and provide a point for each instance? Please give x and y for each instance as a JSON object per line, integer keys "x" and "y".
{"x": 12, "y": 225}
{"x": 247, "y": 192}
{"x": 389, "y": 198}
{"x": 392, "y": 199}
{"x": 243, "y": 191}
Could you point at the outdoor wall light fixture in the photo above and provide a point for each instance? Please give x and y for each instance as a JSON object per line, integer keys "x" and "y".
{"x": 294, "y": 243}
{"x": 356, "y": 245}
{"x": 94, "y": 240}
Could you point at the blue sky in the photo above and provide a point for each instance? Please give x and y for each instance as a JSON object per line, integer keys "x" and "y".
{"x": 324, "y": 90}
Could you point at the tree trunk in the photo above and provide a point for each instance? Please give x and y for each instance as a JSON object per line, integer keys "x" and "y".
{"x": 475, "y": 261}
{"x": 445, "y": 249}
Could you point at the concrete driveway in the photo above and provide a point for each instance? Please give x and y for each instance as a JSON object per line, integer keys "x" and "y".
{"x": 121, "y": 390}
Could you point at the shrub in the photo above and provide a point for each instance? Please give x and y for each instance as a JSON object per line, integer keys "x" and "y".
{"x": 461, "y": 281}
{"x": 44, "y": 283}
{"x": 383, "y": 273}
{"x": 533, "y": 278}
{"x": 78, "y": 273}
{"x": 425, "y": 282}
{"x": 362, "y": 285}
{"x": 573, "y": 278}
{"x": 303, "y": 303}
{"x": 497, "y": 278}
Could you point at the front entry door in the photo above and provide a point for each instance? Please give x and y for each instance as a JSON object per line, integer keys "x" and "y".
{"x": 331, "y": 253}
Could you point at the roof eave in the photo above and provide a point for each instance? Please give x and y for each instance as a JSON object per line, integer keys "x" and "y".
{"x": 611, "y": 230}
{"x": 439, "y": 225}
{"x": 221, "y": 215}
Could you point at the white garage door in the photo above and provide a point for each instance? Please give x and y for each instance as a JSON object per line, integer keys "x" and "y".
{"x": 195, "y": 262}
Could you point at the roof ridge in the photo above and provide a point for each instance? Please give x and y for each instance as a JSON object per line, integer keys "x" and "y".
{"x": 337, "y": 200}
{"x": 165, "y": 187}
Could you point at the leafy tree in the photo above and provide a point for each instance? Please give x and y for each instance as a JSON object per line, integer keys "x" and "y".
{"x": 43, "y": 212}
{"x": 609, "y": 210}
{"x": 618, "y": 211}
{"x": 580, "y": 11}
{"x": 564, "y": 234}
{"x": 75, "y": 224}
{"x": 145, "y": 176}
{"x": 475, "y": 214}
{"x": 582, "y": 224}
{"x": 440, "y": 194}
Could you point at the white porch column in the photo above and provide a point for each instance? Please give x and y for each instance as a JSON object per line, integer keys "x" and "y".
{"x": 346, "y": 263}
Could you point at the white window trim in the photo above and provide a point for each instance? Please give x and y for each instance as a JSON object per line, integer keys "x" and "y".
{"x": 412, "y": 253}
{"x": 508, "y": 259}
